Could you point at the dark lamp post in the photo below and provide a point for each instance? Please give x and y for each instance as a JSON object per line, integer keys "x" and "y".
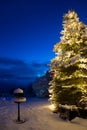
{"x": 19, "y": 99}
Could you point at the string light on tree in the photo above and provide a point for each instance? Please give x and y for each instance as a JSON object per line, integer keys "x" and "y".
{"x": 69, "y": 83}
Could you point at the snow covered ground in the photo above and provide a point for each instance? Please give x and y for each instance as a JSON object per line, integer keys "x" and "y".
{"x": 37, "y": 117}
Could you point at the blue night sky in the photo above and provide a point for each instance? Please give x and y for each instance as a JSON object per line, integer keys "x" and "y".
{"x": 28, "y": 31}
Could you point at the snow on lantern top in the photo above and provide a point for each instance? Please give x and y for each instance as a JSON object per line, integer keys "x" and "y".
{"x": 19, "y": 98}
{"x": 18, "y": 91}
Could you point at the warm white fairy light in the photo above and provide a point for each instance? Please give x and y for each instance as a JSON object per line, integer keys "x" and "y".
{"x": 83, "y": 66}
{"x": 83, "y": 60}
{"x": 70, "y": 61}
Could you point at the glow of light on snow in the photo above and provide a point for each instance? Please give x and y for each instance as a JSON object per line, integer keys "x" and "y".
{"x": 52, "y": 107}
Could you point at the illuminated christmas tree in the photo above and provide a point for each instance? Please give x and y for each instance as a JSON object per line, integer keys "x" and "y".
{"x": 69, "y": 66}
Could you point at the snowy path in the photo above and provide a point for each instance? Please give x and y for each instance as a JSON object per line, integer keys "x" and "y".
{"x": 37, "y": 116}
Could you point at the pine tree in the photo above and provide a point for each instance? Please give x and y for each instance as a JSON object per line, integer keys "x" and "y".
{"x": 69, "y": 66}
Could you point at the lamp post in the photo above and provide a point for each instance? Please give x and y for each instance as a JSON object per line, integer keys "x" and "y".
{"x": 19, "y": 99}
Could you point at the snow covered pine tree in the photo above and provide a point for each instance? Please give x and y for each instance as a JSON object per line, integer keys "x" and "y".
{"x": 69, "y": 81}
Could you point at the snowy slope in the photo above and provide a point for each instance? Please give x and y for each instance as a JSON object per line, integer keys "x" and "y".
{"x": 37, "y": 117}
